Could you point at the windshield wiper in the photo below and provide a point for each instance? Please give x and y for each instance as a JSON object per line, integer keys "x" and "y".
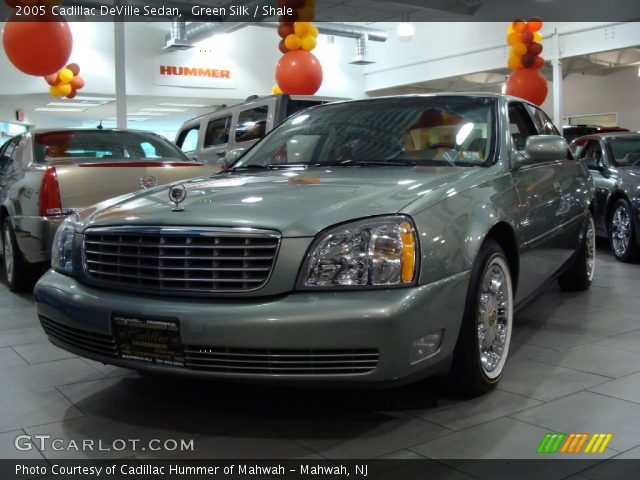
{"x": 271, "y": 166}
{"x": 365, "y": 163}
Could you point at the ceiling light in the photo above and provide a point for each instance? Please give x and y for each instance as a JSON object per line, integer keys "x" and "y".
{"x": 154, "y": 109}
{"x": 58, "y": 109}
{"x": 72, "y": 104}
{"x": 190, "y": 105}
{"x": 93, "y": 99}
{"x": 146, "y": 114}
{"x": 405, "y": 31}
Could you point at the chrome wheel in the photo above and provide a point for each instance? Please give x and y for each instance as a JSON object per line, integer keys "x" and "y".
{"x": 8, "y": 254}
{"x": 495, "y": 317}
{"x": 620, "y": 231}
{"x": 590, "y": 245}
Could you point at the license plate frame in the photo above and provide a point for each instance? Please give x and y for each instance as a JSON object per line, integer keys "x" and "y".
{"x": 150, "y": 340}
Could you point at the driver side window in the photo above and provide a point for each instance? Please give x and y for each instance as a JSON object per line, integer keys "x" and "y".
{"x": 521, "y": 126}
{"x": 592, "y": 150}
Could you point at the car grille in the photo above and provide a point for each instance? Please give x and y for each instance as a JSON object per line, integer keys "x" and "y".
{"x": 281, "y": 362}
{"x": 82, "y": 339}
{"x": 165, "y": 260}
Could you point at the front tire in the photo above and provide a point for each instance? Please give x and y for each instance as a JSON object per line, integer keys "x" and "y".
{"x": 20, "y": 274}
{"x": 578, "y": 278}
{"x": 623, "y": 237}
{"x": 485, "y": 334}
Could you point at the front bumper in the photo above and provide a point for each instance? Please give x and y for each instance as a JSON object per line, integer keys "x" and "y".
{"x": 387, "y": 321}
{"x": 34, "y": 236}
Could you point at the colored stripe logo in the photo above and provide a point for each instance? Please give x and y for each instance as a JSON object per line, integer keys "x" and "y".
{"x": 556, "y": 442}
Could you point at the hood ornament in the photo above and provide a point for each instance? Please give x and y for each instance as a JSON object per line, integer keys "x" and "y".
{"x": 177, "y": 194}
{"x": 148, "y": 182}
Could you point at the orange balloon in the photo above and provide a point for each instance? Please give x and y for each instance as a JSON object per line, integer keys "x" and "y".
{"x": 64, "y": 89}
{"x": 77, "y": 83}
{"x": 514, "y": 63}
{"x": 37, "y": 48}
{"x": 527, "y": 83}
{"x": 513, "y": 38}
{"x": 519, "y": 26}
{"x": 299, "y": 73}
{"x": 51, "y": 79}
{"x": 301, "y": 29}
{"x": 292, "y": 42}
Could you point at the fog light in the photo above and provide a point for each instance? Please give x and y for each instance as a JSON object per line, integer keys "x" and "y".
{"x": 426, "y": 346}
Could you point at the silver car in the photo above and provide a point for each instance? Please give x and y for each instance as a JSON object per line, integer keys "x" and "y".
{"x": 377, "y": 241}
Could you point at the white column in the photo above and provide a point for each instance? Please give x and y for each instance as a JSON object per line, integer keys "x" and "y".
{"x": 557, "y": 80}
{"x": 121, "y": 79}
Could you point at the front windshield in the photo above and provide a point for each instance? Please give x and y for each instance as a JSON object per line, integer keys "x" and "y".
{"x": 440, "y": 131}
{"x": 626, "y": 150}
{"x": 103, "y": 145}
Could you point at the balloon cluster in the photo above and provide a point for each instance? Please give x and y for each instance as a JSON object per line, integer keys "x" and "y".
{"x": 526, "y": 81}
{"x": 524, "y": 38}
{"x": 20, "y": 40}
{"x": 66, "y": 82}
{"x": 298, "y": 71}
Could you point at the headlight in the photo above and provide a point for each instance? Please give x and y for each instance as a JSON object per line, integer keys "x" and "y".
{"x": 375, "y": 252}
{"x": 62, "y": 249}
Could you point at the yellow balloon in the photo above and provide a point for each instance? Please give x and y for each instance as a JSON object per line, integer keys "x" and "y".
{"x": 54, "y": 92}
{"x": 510, "y": 29}
{"x": 276, "y": 90}
{"x": 514, "y": 63}
{"x": 65, "y": 75}
{"x": 519, "y": 49}
{"x": 313, "y": 31}
{"x": 537, "y": 37}
{"x": 308, "y": 43}
{"x": 292, "y": 42}
{"x": 64, "y": 89}
{"x": 302, "y": 28}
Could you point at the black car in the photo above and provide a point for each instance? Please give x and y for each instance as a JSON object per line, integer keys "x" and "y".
{"x": 614, "y": 161}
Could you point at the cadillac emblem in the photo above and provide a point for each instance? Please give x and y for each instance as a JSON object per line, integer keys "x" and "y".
{"x": 148, "y": 182}
{"x": 177, "y": 194}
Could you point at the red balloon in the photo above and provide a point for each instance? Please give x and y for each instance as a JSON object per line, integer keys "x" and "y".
{"x": 299, "y": 73}
{"x": 77, "y": 83}
{"x": 538, "y": 63}
{"x": 282, "y": 47}
{"x": 289, "y": 18}
{"x": 527, "y": 60}
{"x": 37, "y": 48}
{"x": 72, "y": 94}
{"x": 75, "y": 68}
{"x": 285, "y": 29}
{"x": 527, "y": 83}
{"x": 534, "y": 49}
{"x": 534, "y": 24}
{"x": 526, "y": 37}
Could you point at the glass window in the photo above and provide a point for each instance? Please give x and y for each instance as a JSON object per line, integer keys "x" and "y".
{"x": 543, "y": 123}
{"x": 294, "y": 106}
{"x": 252, "y": 124}
{"x": 626, "y": 150}
{"x": 442, "y": 131}
{"x": 7, "y": 156}
{"x": 188, "y": 139}
{"x": 520, "y": 125}
{"x": 217, "y": 132}
{"x": 103, "y": 145}
{"x": 592, "y": 150}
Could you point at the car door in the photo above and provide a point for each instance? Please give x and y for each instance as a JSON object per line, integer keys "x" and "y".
{"x": 216, "y": 140}
{"x": 543, "y": 189}
{"x": 592, "y": 156}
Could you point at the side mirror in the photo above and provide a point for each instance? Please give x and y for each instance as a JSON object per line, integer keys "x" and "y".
{"x": 592, "y": 164}
{"x": 230, "y": 158}
{"x": 545, "y": 148}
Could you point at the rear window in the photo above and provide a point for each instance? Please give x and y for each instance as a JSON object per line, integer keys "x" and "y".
{"x": 104, "y": 145}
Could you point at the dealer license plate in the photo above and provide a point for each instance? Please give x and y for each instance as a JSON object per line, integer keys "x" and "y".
{"x": 149, "y": 340}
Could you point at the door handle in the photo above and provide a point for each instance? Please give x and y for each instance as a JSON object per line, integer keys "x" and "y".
{"x": 221, "y": 153}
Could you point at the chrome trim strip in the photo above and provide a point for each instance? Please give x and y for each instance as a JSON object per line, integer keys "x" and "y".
{"x": 553, "y": 230}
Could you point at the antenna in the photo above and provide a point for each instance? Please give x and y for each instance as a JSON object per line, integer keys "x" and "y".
{"x": 100, "y": 127}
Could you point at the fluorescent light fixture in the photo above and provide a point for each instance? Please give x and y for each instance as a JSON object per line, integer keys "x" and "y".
{"x": 71, "y": 104}
{"x": 58, "y": 109}
{"x": 154, "y": 109}
{"x": 138, "y": 119}
{"x": 464, "y": 132}
{"x": 147, "y": 114}
{"x": 92, "y": 99}
{"x": 189, "y": 105}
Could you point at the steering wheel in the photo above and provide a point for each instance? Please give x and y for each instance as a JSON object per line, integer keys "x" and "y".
{"x": 435, "y": 146}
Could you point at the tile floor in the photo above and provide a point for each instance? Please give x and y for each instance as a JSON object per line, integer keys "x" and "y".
{"x": 575, "y": 366}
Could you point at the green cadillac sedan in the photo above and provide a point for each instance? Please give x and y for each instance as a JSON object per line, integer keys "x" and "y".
{"x": 365, "y": 242}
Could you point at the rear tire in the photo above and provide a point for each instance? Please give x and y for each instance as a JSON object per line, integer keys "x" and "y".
{"x": 623, "y": 237}
{"x": 20, "y": 274}
{"x": 485, "y": 334}
{"x": 579, "y": 277}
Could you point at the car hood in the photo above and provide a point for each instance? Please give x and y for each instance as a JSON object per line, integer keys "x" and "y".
{"x": 298, "y": 203}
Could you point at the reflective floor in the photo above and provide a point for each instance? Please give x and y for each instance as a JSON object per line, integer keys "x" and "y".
{"x": 574, "y": 367}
